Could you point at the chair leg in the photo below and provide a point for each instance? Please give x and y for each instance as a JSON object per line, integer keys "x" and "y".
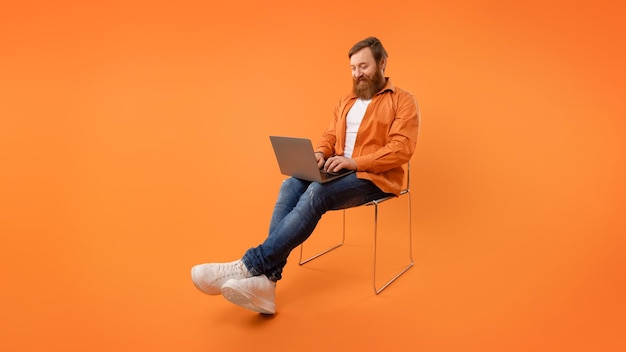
{"x": 405, "y": 269}
{"x": 343, "y": 239}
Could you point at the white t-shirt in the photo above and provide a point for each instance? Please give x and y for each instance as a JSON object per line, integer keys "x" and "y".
{"x": 353, "y": 121}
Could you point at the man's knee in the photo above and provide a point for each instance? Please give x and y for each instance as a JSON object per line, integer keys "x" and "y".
{"x": 318, "y": 195}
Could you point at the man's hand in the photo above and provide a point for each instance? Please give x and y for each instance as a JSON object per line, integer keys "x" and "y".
{"x": 319, "y": 156}
{"x": 336, "y": 163}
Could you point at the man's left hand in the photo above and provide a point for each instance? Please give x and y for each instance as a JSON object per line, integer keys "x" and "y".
{"x": 336, "y": 163}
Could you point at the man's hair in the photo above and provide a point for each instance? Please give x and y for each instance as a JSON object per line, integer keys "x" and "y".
{"x": 375, "y": 46}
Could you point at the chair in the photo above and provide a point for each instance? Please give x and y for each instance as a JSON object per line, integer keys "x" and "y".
{"x": 375, "y": 203}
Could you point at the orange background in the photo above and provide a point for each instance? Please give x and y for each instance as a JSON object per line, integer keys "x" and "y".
{"x": 124, "y": 126}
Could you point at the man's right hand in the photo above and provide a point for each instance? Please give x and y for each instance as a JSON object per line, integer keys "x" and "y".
{"x": 319, "y": 156}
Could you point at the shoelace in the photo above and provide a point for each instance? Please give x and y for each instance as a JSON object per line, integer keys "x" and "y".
{"x": 231, "y": 270}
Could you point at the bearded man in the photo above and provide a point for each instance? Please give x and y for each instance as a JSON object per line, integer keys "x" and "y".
{"x": 373, "y": 132}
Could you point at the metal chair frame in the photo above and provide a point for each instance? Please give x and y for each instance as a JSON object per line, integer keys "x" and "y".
{"x": 375, "y": 203}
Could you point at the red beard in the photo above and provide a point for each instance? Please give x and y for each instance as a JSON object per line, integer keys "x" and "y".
{"x": 365, "y": 87}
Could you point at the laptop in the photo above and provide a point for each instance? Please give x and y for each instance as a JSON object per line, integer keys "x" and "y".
{"x": 296, "y": 158}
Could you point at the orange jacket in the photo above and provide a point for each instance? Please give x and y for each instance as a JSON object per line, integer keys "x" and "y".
{"x": 385, "y": 140}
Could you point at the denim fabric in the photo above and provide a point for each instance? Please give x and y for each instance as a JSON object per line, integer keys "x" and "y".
{"x": 299, "y": 207}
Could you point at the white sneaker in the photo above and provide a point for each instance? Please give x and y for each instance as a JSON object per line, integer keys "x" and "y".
{"x": 209, "y": 278}
{"x": 256, "y": 293}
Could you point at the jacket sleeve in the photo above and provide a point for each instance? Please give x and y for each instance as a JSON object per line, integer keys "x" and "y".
{"x": 327, "y": 143}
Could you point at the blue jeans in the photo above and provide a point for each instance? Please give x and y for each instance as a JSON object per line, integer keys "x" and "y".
{"x": 298, "y": 209}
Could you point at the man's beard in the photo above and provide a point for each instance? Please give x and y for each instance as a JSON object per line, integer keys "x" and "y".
{"x": 365, "y": 87}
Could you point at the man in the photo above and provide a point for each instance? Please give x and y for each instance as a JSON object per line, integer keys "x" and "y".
{"x": 374, "y": 132}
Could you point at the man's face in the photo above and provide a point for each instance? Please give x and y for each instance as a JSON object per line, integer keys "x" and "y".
{"x": 367, "y": 75}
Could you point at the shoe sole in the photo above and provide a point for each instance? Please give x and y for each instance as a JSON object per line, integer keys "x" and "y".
{"x": 246, "y": 300}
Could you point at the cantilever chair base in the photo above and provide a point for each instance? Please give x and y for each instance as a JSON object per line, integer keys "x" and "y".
{"x": 375, "y": 203}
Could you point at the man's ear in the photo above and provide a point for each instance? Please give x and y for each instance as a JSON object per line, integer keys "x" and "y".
{"x": 383, "y": 64}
